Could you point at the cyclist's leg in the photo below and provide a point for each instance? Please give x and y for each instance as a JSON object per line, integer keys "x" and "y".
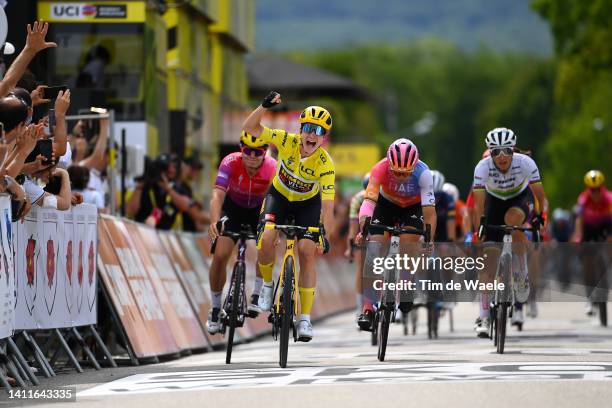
{"x": 307, "y": 214}
{"x": 494, "y": 215}
{"x": 274, "y": 212}
{"x": 411, "y": 216}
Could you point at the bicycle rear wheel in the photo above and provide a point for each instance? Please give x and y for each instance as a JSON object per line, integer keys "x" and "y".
{"x": 383, "y": 329}
{"x": 502, "y": 318}
{"x": 286, "y": 312}
{"x": 236, "y": 288}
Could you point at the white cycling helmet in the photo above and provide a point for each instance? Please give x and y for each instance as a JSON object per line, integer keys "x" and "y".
{"x": 452, "y": 190}
{"x": 500, "y": 137}
{"x": 438, "y": 180}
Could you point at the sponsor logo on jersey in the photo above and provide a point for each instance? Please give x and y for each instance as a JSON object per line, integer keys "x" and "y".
{"x": 293, "y": 182}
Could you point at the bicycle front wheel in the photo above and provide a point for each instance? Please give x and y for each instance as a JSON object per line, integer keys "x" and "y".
{"x": 502, "y": 318}
{"x": 236, "y": 293}
{"x": 383, "y": 330}
{"x": 286, "y": 312}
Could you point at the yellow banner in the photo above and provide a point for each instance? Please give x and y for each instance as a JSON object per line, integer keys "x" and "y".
{"x": 354, "y": 159}
{"x": 92, "y": 12}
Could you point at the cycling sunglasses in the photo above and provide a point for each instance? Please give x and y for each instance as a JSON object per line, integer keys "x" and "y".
{"x": 258, "y": 151}
{"x": 507, "y": 151}
{"x": 311, "y": 127}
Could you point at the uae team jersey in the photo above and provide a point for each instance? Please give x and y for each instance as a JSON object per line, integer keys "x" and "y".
{"x": 242, "y": 189}
{"x": 414, "y": 189}
{"x": 297, "y": 178}
{"x": 522, "y": 172}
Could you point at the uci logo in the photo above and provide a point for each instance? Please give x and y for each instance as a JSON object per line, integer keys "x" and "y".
{"x": 73, "y": 11}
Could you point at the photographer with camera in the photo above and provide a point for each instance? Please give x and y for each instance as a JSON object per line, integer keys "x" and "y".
{"x": 155, "y": 200}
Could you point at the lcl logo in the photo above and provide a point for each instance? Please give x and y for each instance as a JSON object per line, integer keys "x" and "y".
{"x": 75, "y": 11}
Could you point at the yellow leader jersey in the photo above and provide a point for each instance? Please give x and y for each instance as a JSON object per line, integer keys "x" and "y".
{"x": 298, "y": 178}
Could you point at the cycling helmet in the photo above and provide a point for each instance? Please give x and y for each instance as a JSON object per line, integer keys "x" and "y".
{"x": 594, "y": 179}
{"x": 317, "y": 115}
{"x": 366, "y": 180}
{"x": 500, "y": 137}
{"x": 403, "y": 155}
{"x": 452, "y": 190}
{"x": 438, "y": 180}
{"x": 249, "y": 140}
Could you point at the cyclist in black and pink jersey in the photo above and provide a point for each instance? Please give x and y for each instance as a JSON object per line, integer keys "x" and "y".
{"x": 242, "y": 183}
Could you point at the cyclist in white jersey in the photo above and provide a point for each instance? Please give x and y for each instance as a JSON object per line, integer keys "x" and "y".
{"x": 504, "y": 188}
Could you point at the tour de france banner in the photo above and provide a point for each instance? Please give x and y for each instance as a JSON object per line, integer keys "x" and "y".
{"x": 55, "y": 268}
{"x": 7, "y": 270}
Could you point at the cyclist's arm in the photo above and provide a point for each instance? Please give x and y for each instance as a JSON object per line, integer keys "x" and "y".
{"x": 371, "y": 197}
{"x": 538, "y": 191}
{"x": 216, "y": 203}
{"x": 429, "y": 217}
{"x": 327, "y": 212}
{"x": 479, "y": 201}
{"x": 222, "y": 183}
{"x": 428, "y": 201}
{"x": 252, "y": 124}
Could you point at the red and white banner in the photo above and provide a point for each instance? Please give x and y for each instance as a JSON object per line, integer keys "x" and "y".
{"x": 55, "y": 268}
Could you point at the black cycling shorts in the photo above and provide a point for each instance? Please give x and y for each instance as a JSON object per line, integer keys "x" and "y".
{"x": 238, "y": 215}
{"x": 496, "y": 208}
{"x": 278, "y": 210}
{"x": 596, "y": 233}
{"x": 387, "y": 213}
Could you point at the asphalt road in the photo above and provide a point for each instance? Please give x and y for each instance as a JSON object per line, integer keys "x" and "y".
{"x": 560, "y": 359}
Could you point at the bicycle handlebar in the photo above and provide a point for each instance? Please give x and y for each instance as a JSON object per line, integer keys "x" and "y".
{"x": 245, "y": 233}
{"x": 507, "y": 229}
{"x": 397, "y": 231}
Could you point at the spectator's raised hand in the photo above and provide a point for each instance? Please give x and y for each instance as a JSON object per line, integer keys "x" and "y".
{"x": 77, "y": 198}
{"x": 62, "y": 103}
{"x": 26, "y": 139}
{"x": 36, "y": 37}
{"x": 38, "y": 96}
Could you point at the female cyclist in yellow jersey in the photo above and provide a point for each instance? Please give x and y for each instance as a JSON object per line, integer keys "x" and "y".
{"x": 303, "y": 188}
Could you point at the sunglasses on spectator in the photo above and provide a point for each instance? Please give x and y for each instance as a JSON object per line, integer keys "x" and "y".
{"x": 312, "y": 128}
{"x": 258, "y": 151}
{"x": 507, "y": 151}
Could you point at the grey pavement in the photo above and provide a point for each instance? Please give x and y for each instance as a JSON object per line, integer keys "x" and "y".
{"x": 561, "y": 359}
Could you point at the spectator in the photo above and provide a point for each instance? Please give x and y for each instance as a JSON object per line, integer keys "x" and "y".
{"x": 96, "y": 159}
{"x": 195, "y": 218}
{"x": 79, "y": 180}
{"x": 56, "y": 194}
{"x": 35, "y": 42}
{"x": 155, "y": 200}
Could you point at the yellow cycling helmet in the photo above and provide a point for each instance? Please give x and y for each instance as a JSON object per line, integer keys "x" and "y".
{"x": 249, "y": 140}
{"x": 594, "y": 179}
{"x": 317, "y": 115}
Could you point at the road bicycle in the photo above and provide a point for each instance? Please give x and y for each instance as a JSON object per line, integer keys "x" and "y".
{"x": 503, "y": 302}
{"x": 385, "y": 313}
{"x": 235, "y": 304}
{"x": 286, "y": 290}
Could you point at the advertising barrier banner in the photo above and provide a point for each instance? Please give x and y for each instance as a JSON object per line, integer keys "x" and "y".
{"x": 55, "y": 268}
{"x": 7, "y": 270}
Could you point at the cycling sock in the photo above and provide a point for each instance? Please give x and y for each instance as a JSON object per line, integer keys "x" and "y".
{"x": 266, "y": 272}
{"x": 216, "y": 299}
{"x": 257, "y": 285}
{"x": 305, "y": 317}
{"x": 306, "y": 300}
{"x": 369, "y": 295}
{"x": 519, "y": 266}
{"x": 484, "y": 304}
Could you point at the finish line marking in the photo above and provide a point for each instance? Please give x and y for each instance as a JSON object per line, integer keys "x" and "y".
{"x": 394, "y": 373}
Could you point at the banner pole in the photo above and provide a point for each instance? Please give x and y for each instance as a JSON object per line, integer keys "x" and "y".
{"x": 85, "y": 348}
{"x": 71, "y": 357}
{"x": 20, "y": 362}
{"x": 101, "y": 344}
{"x": 39, "y": 356}
{"x": 3, "y": 380}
